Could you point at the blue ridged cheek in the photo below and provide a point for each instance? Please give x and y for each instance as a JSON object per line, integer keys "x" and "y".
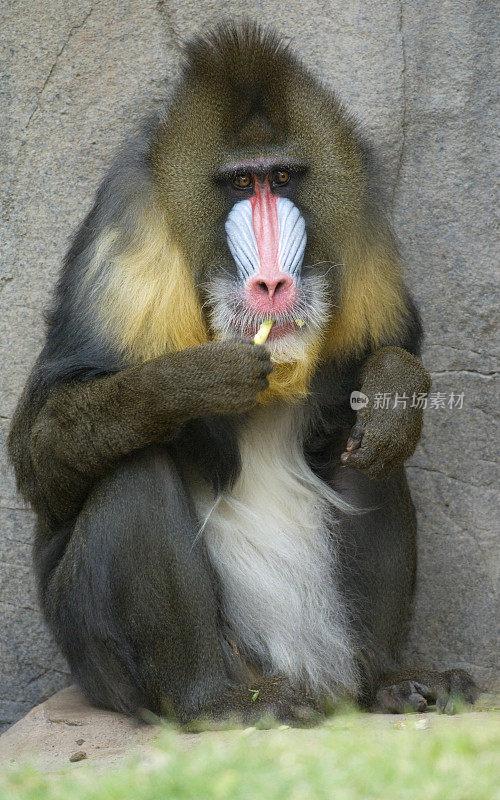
{"x": 293, "y": 237}
{"x": 241, "y": 239}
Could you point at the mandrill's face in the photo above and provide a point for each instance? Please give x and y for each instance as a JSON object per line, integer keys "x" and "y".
{"x": 265, "y": 194}
{"x": 265, "y": 276}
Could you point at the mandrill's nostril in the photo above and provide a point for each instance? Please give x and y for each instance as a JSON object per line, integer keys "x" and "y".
{"x": 271, "y": 287}
{"x": 279, "y": 285}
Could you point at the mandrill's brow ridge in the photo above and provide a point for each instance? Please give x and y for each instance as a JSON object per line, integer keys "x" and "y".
{"x": 261, "y": 166}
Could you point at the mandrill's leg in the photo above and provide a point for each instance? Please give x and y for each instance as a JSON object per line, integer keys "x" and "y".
{"x": 131, "y": 602}
{"x": 377, "y": 560}
{"x": 133, "y": 605}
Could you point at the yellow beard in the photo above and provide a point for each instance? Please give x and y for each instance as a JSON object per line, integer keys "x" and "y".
{"x": 289, "y": 381}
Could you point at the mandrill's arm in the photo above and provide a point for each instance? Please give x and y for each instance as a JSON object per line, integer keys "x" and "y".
{"x": 62, "y": 443}
{"x": 383, "y": 438}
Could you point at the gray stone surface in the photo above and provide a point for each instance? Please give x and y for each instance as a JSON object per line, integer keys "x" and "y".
{"x": 419, "y": 77}
{"x": 66, "y": 731}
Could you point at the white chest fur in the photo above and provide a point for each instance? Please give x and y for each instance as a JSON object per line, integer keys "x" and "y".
{"x": 270, "y": 541}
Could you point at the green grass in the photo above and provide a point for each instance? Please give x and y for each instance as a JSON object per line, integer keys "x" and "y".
{"x": 352, "y": 757}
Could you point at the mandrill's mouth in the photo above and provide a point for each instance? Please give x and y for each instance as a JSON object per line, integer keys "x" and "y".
{"x": 281, "y": 327}
{"x": 279, "y": 330}
{"x": 293, "y": 329}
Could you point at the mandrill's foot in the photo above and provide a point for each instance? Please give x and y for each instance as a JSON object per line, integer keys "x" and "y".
{"x": 269, "y": 700}
{"x": 415, "y": 690}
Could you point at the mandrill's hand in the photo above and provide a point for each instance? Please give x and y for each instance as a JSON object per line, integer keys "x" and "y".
{"x": 213, "y": 378}
{"x": 383, "y": 438}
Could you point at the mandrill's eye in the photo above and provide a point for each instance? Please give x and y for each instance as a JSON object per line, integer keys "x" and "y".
{"x": 280, "y": 177}
{"x": 243, "y": 180}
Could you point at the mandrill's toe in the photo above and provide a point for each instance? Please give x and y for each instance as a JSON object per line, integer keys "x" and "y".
{"x": 403, "y": 697}
{"x": 460, "y": 688}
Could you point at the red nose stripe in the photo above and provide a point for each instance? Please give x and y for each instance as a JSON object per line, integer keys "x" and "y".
{"x": 266, "y": 228}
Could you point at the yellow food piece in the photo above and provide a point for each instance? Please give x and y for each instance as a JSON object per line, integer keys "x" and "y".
{"x": 263, "y": 332}
{"x": 299, "y": 322}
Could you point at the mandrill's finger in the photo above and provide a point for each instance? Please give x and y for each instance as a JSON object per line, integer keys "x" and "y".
{"x": 355, "y": 437}
{"x": 353, "y": 442}
{"x": 263, "y": 358}
{"x": 371, "y": 460}
{"x": 361, "y": 457}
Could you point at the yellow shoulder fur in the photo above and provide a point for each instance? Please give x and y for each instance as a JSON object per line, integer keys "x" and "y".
{"x": 148, "y": 301}
{"x": 372, "y": 304}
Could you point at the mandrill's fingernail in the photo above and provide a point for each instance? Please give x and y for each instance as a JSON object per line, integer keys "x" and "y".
{"x": 344, "y": 457}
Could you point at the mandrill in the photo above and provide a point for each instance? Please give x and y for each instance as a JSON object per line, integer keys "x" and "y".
{"x": 218, "y": 531}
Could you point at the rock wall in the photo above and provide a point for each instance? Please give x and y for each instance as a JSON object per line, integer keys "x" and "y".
{"x": 417, "y": 73}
